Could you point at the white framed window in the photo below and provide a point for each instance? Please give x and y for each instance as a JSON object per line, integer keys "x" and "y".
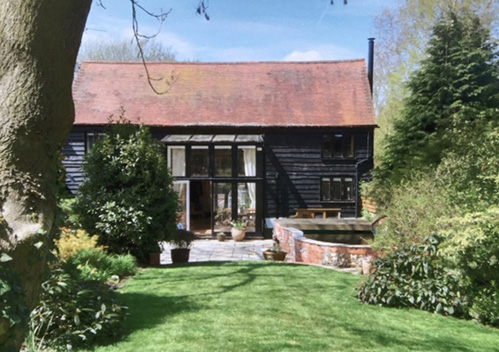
{"x": 176, "y": 160}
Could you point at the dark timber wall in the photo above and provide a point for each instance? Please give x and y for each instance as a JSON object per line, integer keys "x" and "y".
{"x": 74, "y": 152}
{"x": 294, "y": 167}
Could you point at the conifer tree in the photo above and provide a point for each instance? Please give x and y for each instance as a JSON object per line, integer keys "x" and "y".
{"x": 455, "y": 90}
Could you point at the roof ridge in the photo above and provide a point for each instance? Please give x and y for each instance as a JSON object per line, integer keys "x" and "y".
{"x": 222, "y": 63}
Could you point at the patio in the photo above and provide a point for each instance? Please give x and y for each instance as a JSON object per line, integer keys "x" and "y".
{"x": 229, "y": 250}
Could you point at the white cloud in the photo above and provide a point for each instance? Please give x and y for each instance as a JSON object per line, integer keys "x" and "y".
{"x": 322, "y": 53}
{"x": 311, "y": 55}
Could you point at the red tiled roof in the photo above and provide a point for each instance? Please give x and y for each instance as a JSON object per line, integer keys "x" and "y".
{"x": 273, "y": 94}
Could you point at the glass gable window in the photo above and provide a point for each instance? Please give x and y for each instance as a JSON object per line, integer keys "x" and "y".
{"x": 223, "y": 161}
{"x": 200, "y": 161}
{"x": 338, "y": 146}
{"x": 337, "y": 188}
{"x": 176, "y": 160}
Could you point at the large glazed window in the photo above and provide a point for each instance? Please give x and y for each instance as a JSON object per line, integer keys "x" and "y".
{"x": 337, "y": 188}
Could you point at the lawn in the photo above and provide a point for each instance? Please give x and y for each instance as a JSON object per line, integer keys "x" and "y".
{"x": 257, "y": 306}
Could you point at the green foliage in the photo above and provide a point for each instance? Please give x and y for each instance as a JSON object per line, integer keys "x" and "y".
{"x": 72, "y": 314}
{"x": 485, "y": 308}
{"x": 472, "y": 246}
{"x": 422, "y": 197}
{"x": 127, "y": 196}
{"x": 93, "y": 264}
{"x": 413, "y": 277}
{"x": 182, "y": 238}
{"x": 67, "y": 213}
{"x": 456, "y": 86}
{"x": 13, "y": 310}
{"x": 471, "y": 174}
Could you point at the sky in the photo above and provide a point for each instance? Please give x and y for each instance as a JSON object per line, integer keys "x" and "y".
{"x": 247, "y": 30}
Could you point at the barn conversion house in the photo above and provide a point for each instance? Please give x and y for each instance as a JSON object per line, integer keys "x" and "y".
{"x": 243, "y": 140}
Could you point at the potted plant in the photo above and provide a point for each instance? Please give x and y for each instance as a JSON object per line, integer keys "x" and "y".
{"x": 238, "y": 230}
{"x": 221, "y": 236}
{"x": 181, "y": 242}
{"x": 276, "y": 254}
{"x": 154, "y": 252}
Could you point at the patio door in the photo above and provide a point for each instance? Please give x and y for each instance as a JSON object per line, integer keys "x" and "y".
{"x": 183, "y": 190}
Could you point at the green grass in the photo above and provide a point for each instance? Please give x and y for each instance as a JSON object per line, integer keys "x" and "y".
{"x": 248, "y": 306}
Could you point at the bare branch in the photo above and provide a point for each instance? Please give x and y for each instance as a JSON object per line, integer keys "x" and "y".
{"x": 202, "y": 8}
{"x": 160, "y": 17}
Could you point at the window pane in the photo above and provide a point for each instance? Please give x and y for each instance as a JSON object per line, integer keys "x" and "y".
{"x": 223, "y": 161}
{"x": 92, "y": 137}
{"x": 176, "y": 160}
{"x": 246, "y": 159}
{"x": 199, "y": 161}
{"x": 338, "y": 145}
{"x": 326, "y": 147}
{"x": 222, "y": 205}
{"x": 325, "y": 189}
{"x": 246, "y": 203}
{"x": 347, "y": 191}
{"x": 349, "y": 147}
{"x": 336, "y": 189}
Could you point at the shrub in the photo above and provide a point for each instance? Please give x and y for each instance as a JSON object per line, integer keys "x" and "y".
{"x": 72, "y": 314}
{"x": 413, "y": 277}
{"x": 72, "y": 241}
{"x": 127, "y": 196}
{"x": 472, "y": 247}
{"x": 422, "y": 197}
{"x": 66, "y": 212}
{"x": 93, "y": 264}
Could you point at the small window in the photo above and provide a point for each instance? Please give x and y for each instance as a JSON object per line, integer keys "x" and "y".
{"x": 91, "y": 138}
{"x": 338, "y": 146}
{"x": 199, "y": 161}
{"x": 176, "y": 160}
{"x": 337, "y": 188}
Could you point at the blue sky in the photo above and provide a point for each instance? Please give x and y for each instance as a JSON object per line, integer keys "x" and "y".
{"x": 248, "y": 30}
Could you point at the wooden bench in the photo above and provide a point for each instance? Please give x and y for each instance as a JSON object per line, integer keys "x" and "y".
{"x": 313, "y": 213}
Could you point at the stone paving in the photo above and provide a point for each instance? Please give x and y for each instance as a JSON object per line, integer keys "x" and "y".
{"x": 229, "y": 250}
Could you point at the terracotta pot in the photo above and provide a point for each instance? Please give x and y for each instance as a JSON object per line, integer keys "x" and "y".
{"x": 238, "y": 234}
{"x": 180, "y": 255}
{"x": 154, "y": 259}
{"x": 221, "y": 238}
{"x": 274, "y": 256}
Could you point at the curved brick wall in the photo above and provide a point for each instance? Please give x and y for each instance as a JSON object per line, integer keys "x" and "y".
{"x": 303, "y": 250}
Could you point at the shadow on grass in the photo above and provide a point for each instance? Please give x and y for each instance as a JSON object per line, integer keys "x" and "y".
{"x": 148, "y": 310}
{"x": 246, "y": 271}
{"x": 398, "y": 338}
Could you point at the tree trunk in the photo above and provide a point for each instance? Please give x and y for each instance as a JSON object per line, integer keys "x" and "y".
{"x": 39, "y": 41}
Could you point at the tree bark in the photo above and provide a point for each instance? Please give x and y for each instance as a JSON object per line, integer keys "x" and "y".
{"x": 39, "y": 42}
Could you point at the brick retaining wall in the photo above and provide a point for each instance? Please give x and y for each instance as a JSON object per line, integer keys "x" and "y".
{"x": 303, "y": 250}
